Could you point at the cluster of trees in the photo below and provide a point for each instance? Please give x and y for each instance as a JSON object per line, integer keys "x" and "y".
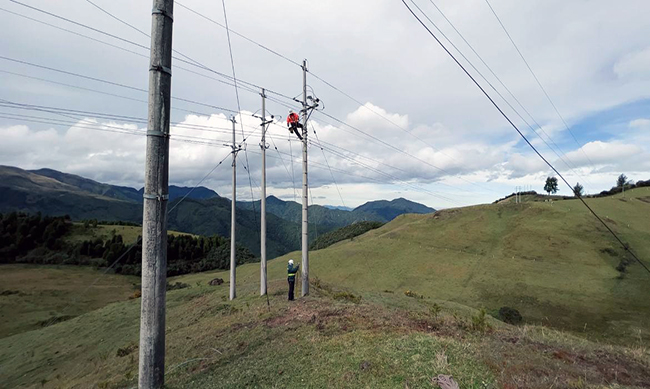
{"x": 35, "y": 239}
{"x": 21, "y": 233}
{"x": 185, "y": 254}
{"x": 622, "y": 183}
{"x": 94, "y": 222}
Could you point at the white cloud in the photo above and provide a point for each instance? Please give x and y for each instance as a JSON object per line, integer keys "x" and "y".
{"x": 635, "y": 65}
{"x": 596, "y": 58}
{"x": 640, "y": 123}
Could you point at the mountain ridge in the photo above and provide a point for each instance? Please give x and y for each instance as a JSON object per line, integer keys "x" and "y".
{"x": 202, "y": 212}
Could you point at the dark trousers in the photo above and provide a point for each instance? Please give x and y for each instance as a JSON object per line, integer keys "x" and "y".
{"x": 294, "y": 128}
{"x": 292, "y": 284}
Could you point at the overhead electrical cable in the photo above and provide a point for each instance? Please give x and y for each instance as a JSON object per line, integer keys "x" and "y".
{"x": 539, "y": 83}
{"x": 624, "y": 245}
{"x": 497, "y": 91}
{"x": 539, "y": 126}
{"x": 234, "y": 77}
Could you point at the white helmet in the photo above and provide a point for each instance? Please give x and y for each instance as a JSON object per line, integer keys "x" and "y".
{"x": 291, "y": 262}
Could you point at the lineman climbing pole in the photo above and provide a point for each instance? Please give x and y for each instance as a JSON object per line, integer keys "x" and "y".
{"x": 263, "y": 282}
{"x": 233, "y": 259}
{"x": 306, "y": 111}
{"x": 156, "y": 194}
{"x": 305, "y": 186}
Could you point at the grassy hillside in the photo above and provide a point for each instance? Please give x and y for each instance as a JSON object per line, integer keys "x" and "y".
{"x": 383, "y": 340}
{"x": 343, "y": 233}
{"x": 34, "y": 296}
{"x": 551, "y": 261}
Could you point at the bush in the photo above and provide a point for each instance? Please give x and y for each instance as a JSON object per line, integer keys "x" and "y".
{"x": 411, "y": 293}
{"x": 479, "y": 321}
{"x": 435, "y": 310}
{"x": 510, "y": 315}
{"x": 178, "y": 285}
{"x": 346, "y": 296}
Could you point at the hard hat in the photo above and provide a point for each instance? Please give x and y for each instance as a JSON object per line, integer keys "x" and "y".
{"x": 291, "y": 111}
{"x": 291, "y": 262}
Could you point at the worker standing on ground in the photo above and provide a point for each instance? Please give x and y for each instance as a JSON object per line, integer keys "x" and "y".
{"x": 293, "y": 122}
{"x": 291, "y": 277}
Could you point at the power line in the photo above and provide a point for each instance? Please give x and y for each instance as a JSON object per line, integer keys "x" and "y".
{"x": 392, "y": 147}
{"x": 246, "y": 88}
{"x": 80, "y": 24}
{"x": 624, "y": 245}
{"x": 293, "y": 180}
{"x": 111, "y": 83}
{"x": 234, "y": 77}
{"x": 383, "y": 173}
{"x": 495, "y": 89}
{"x": 118, "y": 19}
{"x": 502, "y": 84}
{"x": 328, "y": 166}
{"x": 539, "y": 83}
{"x": 313, "y": 74}
{"x": 186, "y": 59}
{"x": 238, "y": 34}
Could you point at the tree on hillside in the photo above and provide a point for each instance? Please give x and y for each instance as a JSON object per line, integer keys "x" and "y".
{"x": 551, "y": 185}
{"x": 621, "y": 180}
{"x": 578, "y": 190}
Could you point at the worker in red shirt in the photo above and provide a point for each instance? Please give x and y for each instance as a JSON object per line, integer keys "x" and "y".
{"x": 293, "y": 122}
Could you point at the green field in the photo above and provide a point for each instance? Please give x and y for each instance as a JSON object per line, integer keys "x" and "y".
{"x": 36, "y": 296}
{"x": 551, "y": 261}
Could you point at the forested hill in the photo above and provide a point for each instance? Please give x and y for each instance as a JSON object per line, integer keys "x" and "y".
{"x": 381, "y": 211}
{"x": 203, "y": 212}
{"x": 389, "y": 210}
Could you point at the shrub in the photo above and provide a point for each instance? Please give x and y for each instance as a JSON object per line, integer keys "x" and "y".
{"x": 124, "y": 351}
{"x": 346, "y": 296}
{"x": 510, "y": 315}
{"x": 178, "y": 285}
{"x": 411, "y": 293}
{"x": 435, "y": 310}
{"x": 479, "y": 321}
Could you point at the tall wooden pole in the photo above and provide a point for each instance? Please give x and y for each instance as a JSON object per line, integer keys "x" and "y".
{"x": 263, "y": 281}
{"x": 233, "y": 248}
{"x": 156, "y": 195}
{"x": 305, "y": 187}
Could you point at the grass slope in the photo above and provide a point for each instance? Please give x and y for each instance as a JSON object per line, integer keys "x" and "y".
{"x": 551, "y": 261}
{"x": 35, "y": 295}
{"x": 385, "y": 341}
{"x": 343, "y": 233}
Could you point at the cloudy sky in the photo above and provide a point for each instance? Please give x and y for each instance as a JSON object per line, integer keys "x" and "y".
{"x": 424, "y": 131}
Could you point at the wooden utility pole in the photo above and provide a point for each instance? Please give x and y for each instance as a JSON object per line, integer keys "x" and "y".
{"x": 156, "y": 195}
{"x": 263, "y": 281}
{"x": 233, "y": 249}
{"x": 305, "y": 186}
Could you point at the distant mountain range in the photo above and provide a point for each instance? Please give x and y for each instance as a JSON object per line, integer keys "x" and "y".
{"x": 339, "y": 207}
{"x": 203, "y": 211}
